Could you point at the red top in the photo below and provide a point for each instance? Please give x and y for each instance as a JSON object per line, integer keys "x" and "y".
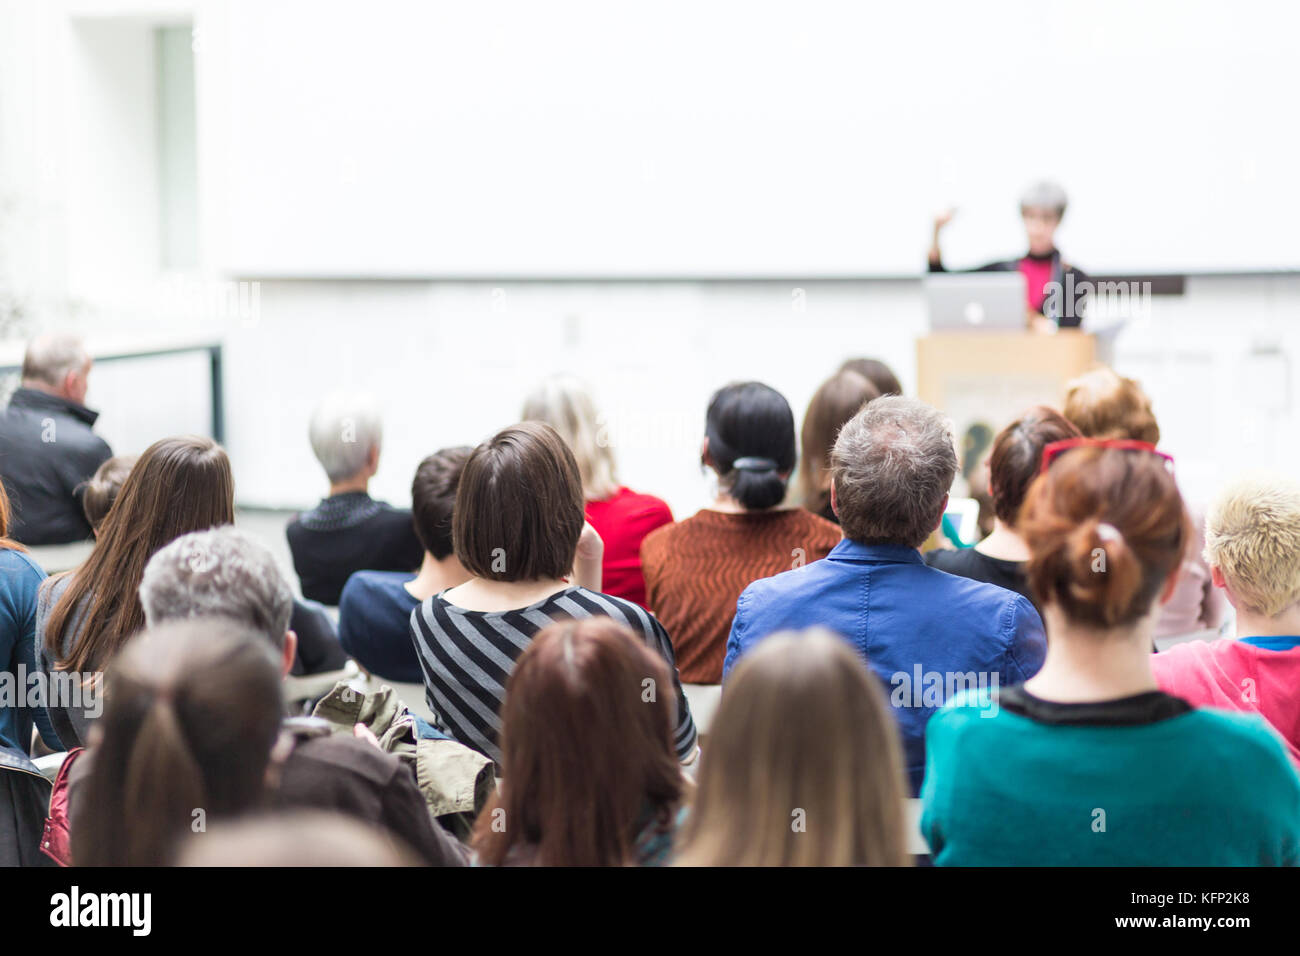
{"x": 1037, "y": 273}
{"x": 622, "y": 520}
{"x": 1236, "y": 675}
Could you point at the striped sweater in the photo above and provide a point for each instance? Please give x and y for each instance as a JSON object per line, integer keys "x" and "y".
{"x": 467, "y": 656}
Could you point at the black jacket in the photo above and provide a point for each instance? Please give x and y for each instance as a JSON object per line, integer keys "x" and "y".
{"x": 47, "y": 449}
{"x": 350, "y": 532}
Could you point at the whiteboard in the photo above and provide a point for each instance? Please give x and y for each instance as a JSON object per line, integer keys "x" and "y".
{"x": 590, "y": 139}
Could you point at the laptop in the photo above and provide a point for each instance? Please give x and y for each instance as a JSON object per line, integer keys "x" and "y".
{"x": 976, "y": 301}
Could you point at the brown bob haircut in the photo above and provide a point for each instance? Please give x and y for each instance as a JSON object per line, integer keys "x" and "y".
{"x": 519, "y": 507}
{"x": 1106, "y": 528}
{"x": 1018, "y": 454}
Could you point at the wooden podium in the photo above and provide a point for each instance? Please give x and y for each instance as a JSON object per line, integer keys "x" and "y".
{"x": 991, "y": 377}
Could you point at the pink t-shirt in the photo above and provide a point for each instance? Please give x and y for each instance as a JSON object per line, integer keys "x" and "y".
{"x": 1237, "y": 675}
{"x": 1037, "y": 273}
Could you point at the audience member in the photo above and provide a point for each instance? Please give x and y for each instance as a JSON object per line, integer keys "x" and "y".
{"x": 1089, "y": 763}
{"x": 695, "y": 569}
{"x": 375, "y": 608}
{"x": 517, "y": 525}
{"x": 47, "y": 445}
{"x": 20, "y": 580}
{"x": 165, "y": 762}
{"x": 1104, "y": 405}
{"x": 838, "y": 399}
{"x": 877, "y": 373}
{"x": 84, "y": 616}
{"x": 803, "y": 765}
{"x": 348, "y": 531}
{"x": 101, "y": 489}
{"x": 295, "y": 838}
{"x": 222, "y": 574}
{"x": 590, "y": 773}
{"x": 919, "y": 629}
{"x": 1017, "y": 454}
{"x": 621, "y": 517}
{"x": 1252, "y": 545}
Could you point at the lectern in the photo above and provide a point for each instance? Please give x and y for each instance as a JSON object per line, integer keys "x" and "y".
{"x": 983, "y": 380}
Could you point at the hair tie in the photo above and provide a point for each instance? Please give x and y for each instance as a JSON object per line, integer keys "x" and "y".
{"x": 754, "y": 464}
{"x": 1108, "y": 532}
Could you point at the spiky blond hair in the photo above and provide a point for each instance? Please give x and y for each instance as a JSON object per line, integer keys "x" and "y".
{"x": 1252, "y": 535}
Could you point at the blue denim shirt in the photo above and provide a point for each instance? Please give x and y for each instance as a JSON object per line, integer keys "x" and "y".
{"x": 925, "y": 633}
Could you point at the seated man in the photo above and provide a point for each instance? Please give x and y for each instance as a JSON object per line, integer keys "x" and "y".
{"x": 222, "y": 573}
{"x": 375, "y": 609}
{"x": 1252, "y": 546}
{"x": 47, "y": 447}
{"x": 349, "y": 531}
{"x": 926, "y": 633}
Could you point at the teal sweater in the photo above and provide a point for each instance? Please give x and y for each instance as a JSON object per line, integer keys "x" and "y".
{"x": 1204, "y": 788}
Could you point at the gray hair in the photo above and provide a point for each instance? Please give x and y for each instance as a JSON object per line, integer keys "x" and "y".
{"x": 892, "y": 465}
{"x": 50, "y": 357}
{"x": 1044, "y": 194}
{"x": 344, "y": 427}
{"x": 217, "y": 573}
{"x": 564, "y": 403}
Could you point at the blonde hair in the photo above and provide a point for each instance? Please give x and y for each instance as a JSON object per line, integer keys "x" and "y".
{"x": 804, "y": 765}
{"x": 564, "y": 403}
{"x": 1103, "y": 404}
{"x": 1252, "y": 535}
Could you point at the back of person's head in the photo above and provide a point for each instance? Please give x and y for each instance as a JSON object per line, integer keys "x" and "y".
{"x": 193, "y": 712}
{"x": 101, "y": 489}
{"x": 433, "y": 498}
{"x": 892, "y": 467}
{"x": 564, "y": 403}
{"x": 586, "y": 749}
{"x": 51, "y": 357}
{"x": 346, "y": 429}
{"x": 750, "y": 432}
{"x": 519, "y": 507}
{"x": 1018, "y": 454}
{"x": 178, "y": 485}
{"x": 220, "y": 573}
{"x": 1103, "y": 404}
{"x": 294, "y": 838}
{"x": 5, "y": 542}
{"x": 804, "y": 765}
{"x": 877, "y": 373}
{"x": 838, "y": 399}
{"x": 1106, "y": 528}
{"x": 1252, "y": 535}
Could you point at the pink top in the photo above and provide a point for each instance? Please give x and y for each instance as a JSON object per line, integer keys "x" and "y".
{"x": 1240, "y": 676}
{"x": 622, "y": 520}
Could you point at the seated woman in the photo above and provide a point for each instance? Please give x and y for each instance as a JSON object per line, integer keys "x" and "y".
{"x": 375, "y": 609}
{"x": 518, "y": 530}
{"x": 1252, "y": 544}
{"x": 621, "y": 517}
{"x": 20, "y": 581}
{"x": 803, "y": 725}
{"x": 695, "y": 570}
{"x": 590, "y": 774}
{"x": 1042, "y": 207}
{"x": 838, "y": 399}
{"x": 1102, "y": 404}
{"x": 1017, "y": 455}
{"x": 100, "y": 490}
{"x": 162, "y": 755}
{"x": 84, "y": 616}
{"x": 1088, "y": 763}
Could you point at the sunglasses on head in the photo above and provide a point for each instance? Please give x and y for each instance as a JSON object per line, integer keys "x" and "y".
{"x": 1057, "y": 448}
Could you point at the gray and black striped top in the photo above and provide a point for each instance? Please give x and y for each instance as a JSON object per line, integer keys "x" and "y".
{"x": 466, "y": 657}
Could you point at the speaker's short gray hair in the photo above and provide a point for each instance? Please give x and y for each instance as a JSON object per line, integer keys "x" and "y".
{"x": 1044, "y": 194}
{"x": 892, "y": 465}
{"x": 217, "y": 573}
{"x": 51, "y": 356}
{"x": 344, "y": 427}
